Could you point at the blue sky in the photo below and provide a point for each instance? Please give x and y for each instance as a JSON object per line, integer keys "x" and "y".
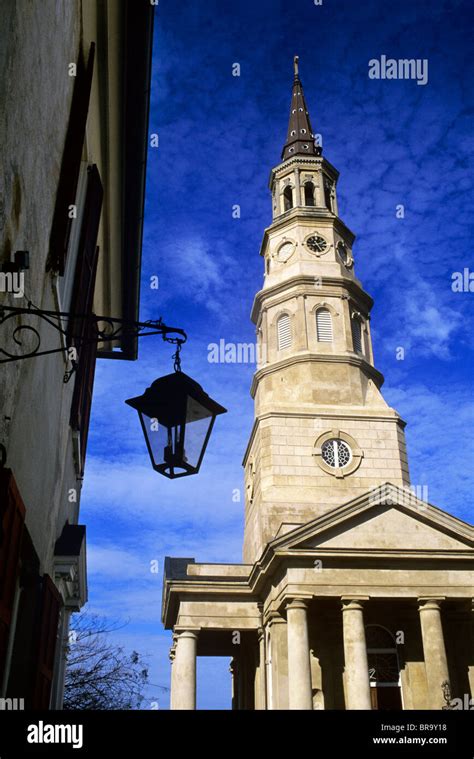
{"x": 394, "y": 142}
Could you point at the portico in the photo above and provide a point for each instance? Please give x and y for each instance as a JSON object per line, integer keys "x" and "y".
{"x": 319, "y": 627}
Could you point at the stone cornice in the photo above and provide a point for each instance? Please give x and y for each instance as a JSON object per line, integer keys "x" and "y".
{"x": 310, "y": 161}
{"x": 395, "y": 560}
{"x": 316, "y": 358}
{"x": 253, "y": 591}
{"x": 307, "y": 280}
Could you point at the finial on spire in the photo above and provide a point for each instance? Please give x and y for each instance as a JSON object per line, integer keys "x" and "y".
{"x": 295, "y": 64}
{"x": 300, "y": 138}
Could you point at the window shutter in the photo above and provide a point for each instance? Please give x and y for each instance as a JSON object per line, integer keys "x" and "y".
{"x": 82, "y": 304}
{"x": 284, "y": 332}
{"x": 47, "y": 638}
{"x": 324, "y": 325}
{"x": 356, "y": 335}
{"x": 71, "y": 163}
{"x": 12, "y": 519}
{"x": 82, "y": 398}
{"x": 86, "y": 266}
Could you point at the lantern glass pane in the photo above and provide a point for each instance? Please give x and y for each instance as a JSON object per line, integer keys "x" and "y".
{"x": 157, "y": 438}
{"x": 198, "y": 420}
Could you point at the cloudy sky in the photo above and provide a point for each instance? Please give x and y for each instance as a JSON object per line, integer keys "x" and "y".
{"x": 394, "y": 142}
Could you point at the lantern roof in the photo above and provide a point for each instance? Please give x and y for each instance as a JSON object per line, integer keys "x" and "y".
{"x": 170, "y": 392}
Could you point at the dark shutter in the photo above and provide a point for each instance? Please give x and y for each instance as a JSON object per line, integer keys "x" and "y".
{"x": 86, "y": 267}
{"x": 12, "y": 519}
{"x": 71, "y": 163}
{"x": 82, "y": 334}
{"x": 82, "y": 398}
{"x": 47, "y": 638}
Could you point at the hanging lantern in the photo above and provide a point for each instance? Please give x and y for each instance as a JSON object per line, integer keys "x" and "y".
{"x": 177, "y": 418}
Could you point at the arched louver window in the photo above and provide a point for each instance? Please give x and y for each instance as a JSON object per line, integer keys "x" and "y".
{"x": 284, "y": 332}
{"x": 324, "y": 325}
{"x": 327, "y": 194}
{"x": 288, "y": 198}
{"x": 357, "y": 334}
{"x": 309, "y": 194}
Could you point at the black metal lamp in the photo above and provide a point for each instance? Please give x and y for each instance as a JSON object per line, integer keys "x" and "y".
{"x": 177, "y": 418}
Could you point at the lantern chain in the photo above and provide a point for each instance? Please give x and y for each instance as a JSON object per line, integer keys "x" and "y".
{"x": 176, "y": 356}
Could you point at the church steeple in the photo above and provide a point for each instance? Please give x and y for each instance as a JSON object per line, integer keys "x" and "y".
{"x": 323, "y": 433}
{"x": 300, "y": 138}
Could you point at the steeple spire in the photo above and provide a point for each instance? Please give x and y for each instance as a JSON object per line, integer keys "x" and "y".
{"x": 299, "y": 140}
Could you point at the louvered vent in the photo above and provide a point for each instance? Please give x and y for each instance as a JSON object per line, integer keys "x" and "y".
{"x": 284, "y": 332}
{"x": 356, "y": 335}
{"x": 324, "y": 325}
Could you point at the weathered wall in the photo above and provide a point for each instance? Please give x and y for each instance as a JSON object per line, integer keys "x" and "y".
{"x": 38, "y": 40}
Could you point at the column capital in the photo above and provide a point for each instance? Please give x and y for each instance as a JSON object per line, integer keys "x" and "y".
{"x": 353, "y": 603}
{"x": 297, "y": 602}
{"x": 275, "y": 618}
{"x": 430, "y": 603}
{"x": 187, "y": 632}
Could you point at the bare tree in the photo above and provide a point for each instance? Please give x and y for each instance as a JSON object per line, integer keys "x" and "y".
{"x": 100, "y": 674}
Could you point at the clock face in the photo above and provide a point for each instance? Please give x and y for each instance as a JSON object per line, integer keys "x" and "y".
{"x": 316, "y": 244}
{"x": 285, "y": 251}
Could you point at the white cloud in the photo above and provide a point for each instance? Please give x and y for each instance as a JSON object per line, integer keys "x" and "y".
{"x": 113, "y": 563}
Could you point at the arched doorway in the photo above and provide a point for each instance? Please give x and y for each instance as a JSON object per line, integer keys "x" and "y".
{"x": 384, "y": 670}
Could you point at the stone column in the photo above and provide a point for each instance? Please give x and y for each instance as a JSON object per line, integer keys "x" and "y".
{"x": 183, "y": 682}
{"x": 261, "y": 697}
{"x": 299, "y": 666}
{"x": 436, "y": 663}
{"x": 319, "y": 191}
{"x": 172, "y": 656}
{"x": 297, "y": 188}
{"x": 356, "y": 668}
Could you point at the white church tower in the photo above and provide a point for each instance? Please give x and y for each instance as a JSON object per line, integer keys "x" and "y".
{"x": 318, "y": 406}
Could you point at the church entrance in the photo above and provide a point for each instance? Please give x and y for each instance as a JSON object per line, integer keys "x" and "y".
{"x": 386, "y": 698}
{"x": 384, "y": 670}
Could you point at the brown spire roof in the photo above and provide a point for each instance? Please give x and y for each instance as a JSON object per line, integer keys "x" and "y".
{"x": 299, "y": 140}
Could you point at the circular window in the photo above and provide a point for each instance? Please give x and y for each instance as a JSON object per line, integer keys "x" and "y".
{"x": 336, "y": 453}
{"x": 342, "y": 250}
{"x": 293, "y": 132}
{"x": 303, "y": 131}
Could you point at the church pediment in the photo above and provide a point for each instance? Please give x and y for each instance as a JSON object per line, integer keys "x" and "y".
{"x": 385, "y": 519}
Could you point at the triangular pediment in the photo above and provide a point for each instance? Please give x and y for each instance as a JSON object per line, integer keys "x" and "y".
{"x": 385, "y": 519}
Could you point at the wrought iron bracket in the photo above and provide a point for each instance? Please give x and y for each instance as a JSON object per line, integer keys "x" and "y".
{"x": 107, "y": 329}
